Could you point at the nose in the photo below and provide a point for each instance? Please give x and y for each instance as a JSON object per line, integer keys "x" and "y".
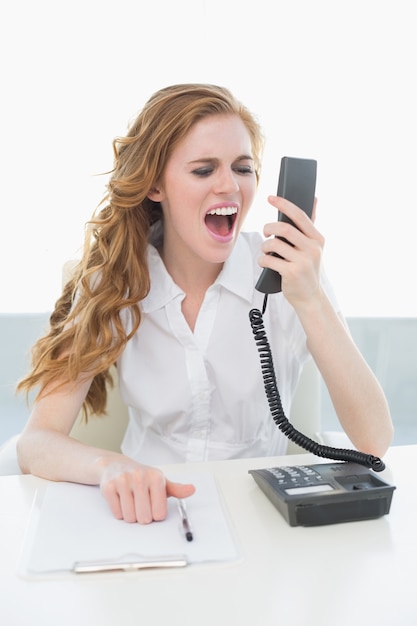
{"x": 226, "y": 181}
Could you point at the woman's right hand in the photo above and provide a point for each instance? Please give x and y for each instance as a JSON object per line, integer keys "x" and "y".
{"x": 134, "y": 492}
{"x": 139, "y": 493}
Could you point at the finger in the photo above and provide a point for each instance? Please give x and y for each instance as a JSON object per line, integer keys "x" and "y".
{"x": 158, "y": 498}
{"x": 120, "y": 499}
{"x": 276, "y": 248}
{"x": 179, "y": 490}
{"x": 292, "y": 211}
{"x": 314, "y": 212}
{"x": 112, "y": 497}
{"x": 128, "y": 498}
{"x": 142, "y": 502}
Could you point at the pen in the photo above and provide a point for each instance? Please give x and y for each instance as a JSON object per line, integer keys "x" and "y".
{"x": 184, "y": 520}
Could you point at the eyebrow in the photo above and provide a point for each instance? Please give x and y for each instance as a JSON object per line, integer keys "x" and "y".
{"x": 242, "y": 157}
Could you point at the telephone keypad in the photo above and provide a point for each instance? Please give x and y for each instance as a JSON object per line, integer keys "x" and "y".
{"x": 297, "y": 476}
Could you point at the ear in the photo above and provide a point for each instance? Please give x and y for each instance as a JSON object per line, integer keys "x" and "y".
{"x": 155, "y": 194}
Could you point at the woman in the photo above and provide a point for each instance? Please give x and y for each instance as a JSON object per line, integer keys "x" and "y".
{"x": 164, "y": 289}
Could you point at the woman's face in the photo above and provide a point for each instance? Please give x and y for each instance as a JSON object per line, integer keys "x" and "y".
{"x": 207, "y": 188}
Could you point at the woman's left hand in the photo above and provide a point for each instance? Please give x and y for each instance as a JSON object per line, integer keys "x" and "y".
{"x": 301, "y": 252}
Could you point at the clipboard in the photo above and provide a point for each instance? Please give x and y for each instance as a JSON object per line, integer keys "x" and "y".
{"x": 72, "y": 531}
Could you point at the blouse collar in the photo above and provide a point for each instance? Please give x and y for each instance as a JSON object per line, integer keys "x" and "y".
{"x": 237, "y": 276}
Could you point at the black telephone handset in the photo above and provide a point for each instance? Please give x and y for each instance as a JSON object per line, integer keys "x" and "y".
{"x": 296, "y": 183}
{"x": 346, "y": 500}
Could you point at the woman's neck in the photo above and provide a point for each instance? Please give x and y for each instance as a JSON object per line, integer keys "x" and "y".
{"x": 194, "y": 276}
{"x": 189, "y": 272}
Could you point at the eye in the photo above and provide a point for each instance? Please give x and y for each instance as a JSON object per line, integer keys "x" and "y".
{"x": 244, "y": 169}
{"x": 203, "y": 171}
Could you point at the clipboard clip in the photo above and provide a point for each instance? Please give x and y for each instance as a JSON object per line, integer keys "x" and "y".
{"x": 129, "y": 563}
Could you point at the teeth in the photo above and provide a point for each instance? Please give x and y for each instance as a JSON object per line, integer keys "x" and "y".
{"x": 223, "y": 211}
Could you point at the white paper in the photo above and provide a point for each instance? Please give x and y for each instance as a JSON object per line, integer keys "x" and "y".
{"x": 72, "y": 523}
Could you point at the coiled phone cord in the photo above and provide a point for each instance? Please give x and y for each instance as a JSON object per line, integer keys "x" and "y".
{"x": 277, "y": 412}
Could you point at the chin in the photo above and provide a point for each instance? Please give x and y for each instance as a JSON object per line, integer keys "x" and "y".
{"x": 220, "y": 256}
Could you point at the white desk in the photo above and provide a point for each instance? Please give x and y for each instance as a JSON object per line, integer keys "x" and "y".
{"x": 361, "y": 572}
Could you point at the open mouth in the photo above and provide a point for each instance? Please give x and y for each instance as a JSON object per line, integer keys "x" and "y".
{"x": 220, "y": 221}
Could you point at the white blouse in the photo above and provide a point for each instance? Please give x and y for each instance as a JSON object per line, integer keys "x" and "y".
{"x": 197, "y": 396}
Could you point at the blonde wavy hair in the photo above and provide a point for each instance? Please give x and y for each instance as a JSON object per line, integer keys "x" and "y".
{"x": 86, "y": 333}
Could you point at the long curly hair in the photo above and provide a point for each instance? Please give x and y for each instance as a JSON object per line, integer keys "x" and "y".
{"x": 86, "y": 334}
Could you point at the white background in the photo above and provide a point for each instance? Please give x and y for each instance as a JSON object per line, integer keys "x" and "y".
{"x": 328, "y": 79}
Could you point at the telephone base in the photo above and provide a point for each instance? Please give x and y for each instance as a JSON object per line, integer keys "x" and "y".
{"x": 325, "y": 493}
